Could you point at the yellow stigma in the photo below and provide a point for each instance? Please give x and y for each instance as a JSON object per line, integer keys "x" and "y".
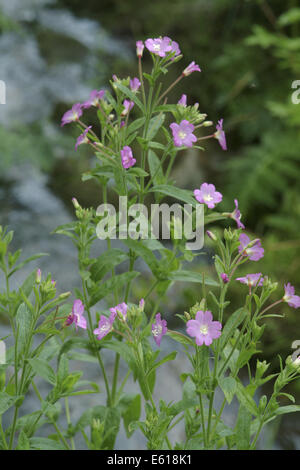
{"x": 182, "y": 135}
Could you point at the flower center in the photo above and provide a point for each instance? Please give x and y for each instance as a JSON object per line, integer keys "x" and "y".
{"x": 156, "y": 47}
{"x": 204, "y": 329}
{"x": 182, "y": 135}
{"x": 208, "y": 197}
{"x": 105, "y": 327}
{"x": 157, "y": 330}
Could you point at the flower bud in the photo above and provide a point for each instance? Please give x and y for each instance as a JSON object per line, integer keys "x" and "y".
{"x": 38, "y": 277}
{"x": 211, "y": 235}
{"x": 225, "y": 278}
{"x": 139, "y": 48}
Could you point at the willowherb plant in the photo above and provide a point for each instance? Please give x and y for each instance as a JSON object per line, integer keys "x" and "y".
{"x": 218, "y": 342}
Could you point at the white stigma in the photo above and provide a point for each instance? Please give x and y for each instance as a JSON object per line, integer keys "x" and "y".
{"x": 204, "y": 329}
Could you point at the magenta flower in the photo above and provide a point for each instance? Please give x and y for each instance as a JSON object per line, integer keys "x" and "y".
{"x": 121, "y": 309}
{"x": 183, "y": 133}
{"x": 159, "y": 329}
{"x": 236, "y": 215}
{"x": 224, "y": 278}
{"x": 142, "y": 304}
{"x": 220, "y": 134}
{"x": 182, "y": 101}
{"x": 290, "y": 297}
{"x": 190, "y": 69}
{"x": 255, "y": 251}
{"x": 208, "y": 195}
{"x": 83, "y": 138}
{"x": 72, "y": 115}
{"x": 105, "y": 326}
{"x": 159, "y": 46}
{"x": 127, "y": 157}
{"x": 135, "y": 84}
{"x": 77, "y": 315}
{"x": 128, "y": 105}
{"x": 203, "y": 328}
{"x": 95, "y": 97}
{"x": 251, "y": 280}
{"x": 139, "y": 48}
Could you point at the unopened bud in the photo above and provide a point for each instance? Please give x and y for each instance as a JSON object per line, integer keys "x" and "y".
{"x": 211, "y": 235}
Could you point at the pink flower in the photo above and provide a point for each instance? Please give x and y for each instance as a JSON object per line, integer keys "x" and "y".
{"x": 183, "y": 133}
{"x": 72, "y": 115}
{"x": 220, "y": 134}
{"x": 135, "y": 84}
{"x": 174, "y": 48}
{"x": 255, "y": 251}
{"x": 236, "y": 215}
{"x": 128, "y": 105}
{"x": 159, "y": 329}
{"x": 95, "y": 97}
{"x": 190, "y": 69}
{"x": 159, "y": 46}
{"x": 127, "y": 157}
{"x": 105, "y": 326}
{"x": 121, "y": 309}
{"x": 208, "y": 195}
{"x": 142, "y": 304}
{"x": 203, "y": 328}
{"x": 77, "y": 315}
{"x": 224, "y": 278}
{"x": 182, "y": 101}
{"x": 139, "y": 48}
{"x": 83, "y": 139}
{"x": 290, "y": 297}
{"x": 251, "y": 280}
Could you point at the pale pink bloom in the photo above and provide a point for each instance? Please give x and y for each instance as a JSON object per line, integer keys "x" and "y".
{"x": 208, "y": 195}
{"x": 203, "y": 328}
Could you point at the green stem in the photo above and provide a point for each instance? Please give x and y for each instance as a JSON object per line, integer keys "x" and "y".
{"x": 68, "y": 416}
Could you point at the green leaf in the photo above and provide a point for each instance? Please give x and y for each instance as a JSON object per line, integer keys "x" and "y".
{"x": 245, "y": 399}
{"x": 42, "y": 443}
{"x": 28, "y": 260}
{"x": 108, "y": 260}
{"x": 131, "y": 405}
{"x": 155, "y": 167}
{"x": 136, "y": 171}
{"x": 135, "y": 125}
{"x": 169, "y": 357}
{"x": 130, "y": 94}
{"x": 180, "y": 338}
{"x": 177, "y": 193}
{"x": 243, "y": 433}
{"x": 43, "y": 369}
{"x": 97, "y": 293}
{"x": 155, "y": 123}
{"x": 6, "y": 401}
{"x": 24, "y": 325}
{"x": 228, "y": 386}
{"x": 231, "y": 325}
{"x": 287, "y": 409}
{"x": 188, "y": 276}
{"x": 23, "y": 441}
{"x": 145, "y": 253}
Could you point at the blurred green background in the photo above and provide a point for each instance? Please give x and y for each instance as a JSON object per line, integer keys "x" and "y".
{"x": 54, "y": 51}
